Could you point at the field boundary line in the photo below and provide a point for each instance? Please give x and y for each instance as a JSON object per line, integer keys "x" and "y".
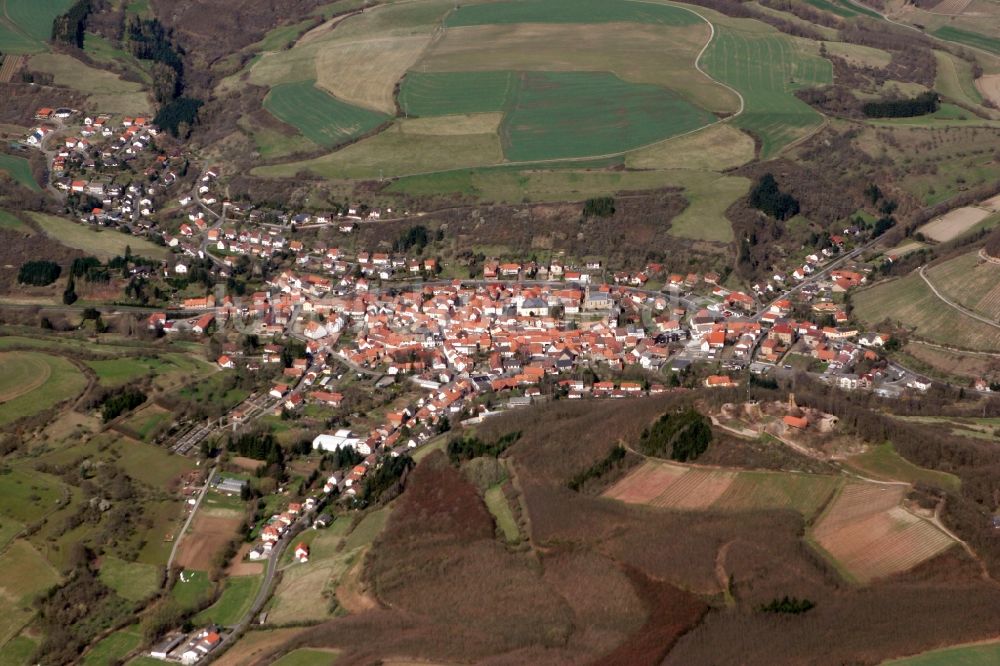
{"x": 585, "y": 158}
{"x": 952, "y": 304}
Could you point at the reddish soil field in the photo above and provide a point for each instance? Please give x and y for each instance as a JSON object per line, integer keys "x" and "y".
{"x": 645, "y": 483}
{"x": 698, "y": 489}
{"x": 207, "y": 537}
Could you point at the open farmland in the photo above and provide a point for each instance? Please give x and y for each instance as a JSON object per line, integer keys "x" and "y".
{"x": 970, "y": 282}
{"x": 870, "y": 536}
{"x": 883, "y": 462}
{"x": 766, "y": 67}
{"x": 131, "y": 580}
{"x": 450, "y": 93}
{"x": 674, "y": 486}
{"x": 33, "y": 381}
{"x": 323, "y": 119}
{"x": 24, "y": 573}
{"x": 714, "y": 148}
{"x": 113, "y": 647}
{"x": 909, "y": 301}
{"x": 568, "y": 11}
{"x": 101, "y": 244}
{"x": 26, "y": 25}
{"x": 954, "y": 223}
{"x": 19, "y": 169}
{"x": 985, "y": 654}
{"x": 206, "y": 538}
{"x": 566, "y": 114}
{"x": 969, "y": 38}
{"x": 955, "y": 79}
{"x": 106, "y": 90}
{"x": 238, "y": 594}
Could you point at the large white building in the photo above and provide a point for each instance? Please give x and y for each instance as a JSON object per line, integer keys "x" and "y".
{"x": 340, "y": 440}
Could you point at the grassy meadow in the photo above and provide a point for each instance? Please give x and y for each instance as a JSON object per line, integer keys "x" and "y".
{"x": 19, "y": 169}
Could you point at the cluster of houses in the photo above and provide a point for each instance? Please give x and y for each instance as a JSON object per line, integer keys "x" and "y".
{"x": 187, "y": 648}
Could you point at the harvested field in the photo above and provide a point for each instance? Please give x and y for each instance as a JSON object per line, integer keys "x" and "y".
{"x": 365, "y": 72}
{"x": 870, "y": 536}
{"x": 205, "y": 539}
{"x": 697, "y": 489}
{"x": 954, "y": 223}
{"x": 714, "y": 148}
{"x": 646, "y": 483}
{"x": 674, "y": 486}
{"x": 256, "y": 644}
{"x": 989, "y": 86}
{"x": 951, "y": 7}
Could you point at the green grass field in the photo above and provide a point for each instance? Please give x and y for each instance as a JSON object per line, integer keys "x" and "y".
{"x": 146, "y": 421}
{"x": 101, "y": 244}
{"x": 577, "y": 114}
{"x": 805, "y": 493}
{"x": 114, "y": 647}
{"x": 969, "y": 38}
{"x": 833, "y": 7}
{"x": 195, "y": 587}
{"x": 237, "y": 596}
{"x": 987, "y": 654}
{"x": 307, "y": 657}
{"x": 498, "y": 506}
{"x": 27, "y": 495}
{"x": 909, "y": 301}
{"x": 767, "y": 67}
{"x": 449, "y": 93}
{"x": 131, "y": 580}
{"x": 8, "y": 221}
{"x": 114, "y": 372}
{"x": 26, "y": 25}
{"x": 32, "y": 381}
{"x": 18, "y": 651}
{"x": 569, "y": 11}
{"x": 320, "y": 117}
{"x": 954, "y": 79}
{"x": 23, "y": 574}
{"x": 19, "y": 169}
{"x": 883, "y": 462}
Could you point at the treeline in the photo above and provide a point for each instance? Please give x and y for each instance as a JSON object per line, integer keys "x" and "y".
{"x": 598, "y": 469}
{"x": 387, "y": 480}
{"x": 38, "y": 273}
{"x": 257, "y": 444}
{"x": 599, "y": 207}
{"x": 120, "y": 402}
{"x": 680, "y": 436}
{"x": 768, "y": 198}
{"x": 470, "y": 446}
{"x": 920, "y": 105}
{"x": 70, "y": 615}
{"x": 69, "y": 28}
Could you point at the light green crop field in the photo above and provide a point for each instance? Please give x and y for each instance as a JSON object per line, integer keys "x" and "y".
{"x": 26, "y": 25}
{"x": 8, "y": 221}
{"x": 986, "y": 654}
{"x": 883, "y": 462}
{"x": 101, "y": 244}
{"x": 31, "y": 382}
{"x": 909, "y": 301}
{"x": 767, "y": 67}
{"x": 20, "y": 170}
{"x": 131, "y": 580}
{"x": 308, "y": 657}
{"x": 498, "y": 506}
{"x": 954, "y": 79}
{"x": 579, "y": 114}
{"x": 969, "y": 38}
{"x": 320, "y": 117}
{"x": 236, "y": 599}
{"x": 23, "y": 574}
{"x": 568, "y": 11}
{"x": 28, "y": 495}
{"x": 805, "y": 493}
{"x": 114, "y": 647}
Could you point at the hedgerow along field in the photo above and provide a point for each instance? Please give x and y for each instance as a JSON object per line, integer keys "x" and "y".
{"x": 323, "y": 119}
{"x": 26, "y": 25}
{"x": 767, "y": 67}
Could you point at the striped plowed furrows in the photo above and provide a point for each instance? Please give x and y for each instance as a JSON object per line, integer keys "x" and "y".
{"x": 698, "y": 489}
{"x": 858, "y": 500}
{"x": 951, "y": 7}
{"x": 645, "y": 483}
{"x": 11, "y": 64}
